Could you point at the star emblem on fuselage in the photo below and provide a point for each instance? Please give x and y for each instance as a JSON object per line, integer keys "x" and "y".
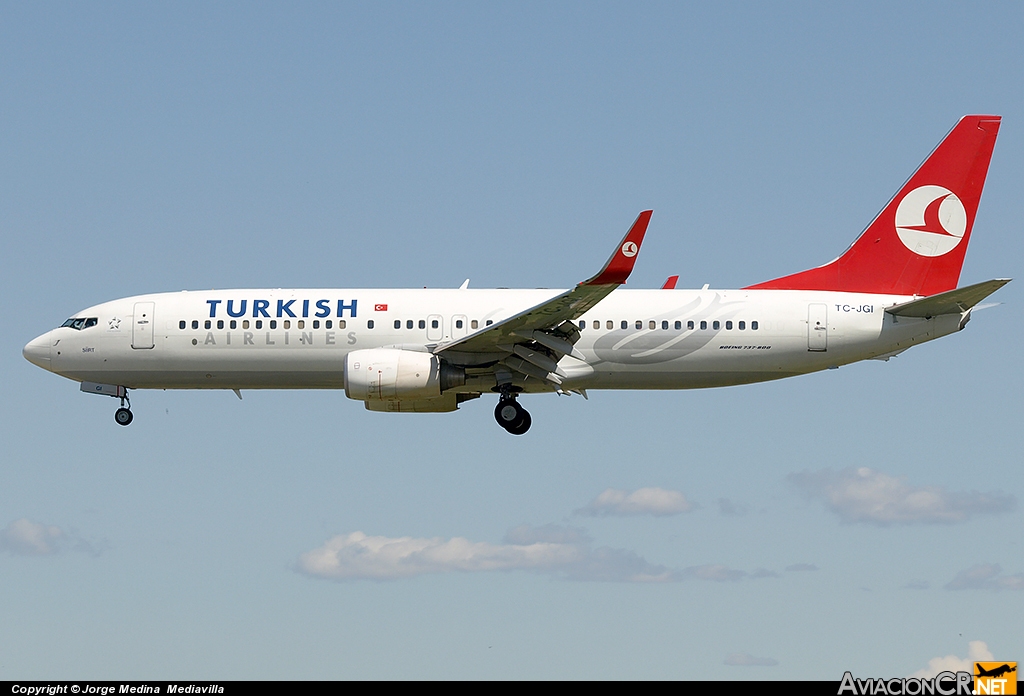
{"x": 114, "y": 324}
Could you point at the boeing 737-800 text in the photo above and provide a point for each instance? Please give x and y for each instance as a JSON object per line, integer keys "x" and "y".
{"x": 431, "y": 350}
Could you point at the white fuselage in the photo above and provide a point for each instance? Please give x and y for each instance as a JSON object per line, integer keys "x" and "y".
{"x": 633, "y": 339}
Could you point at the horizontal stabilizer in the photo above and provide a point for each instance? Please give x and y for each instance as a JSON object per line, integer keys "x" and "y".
{"x": 951, "y": 302}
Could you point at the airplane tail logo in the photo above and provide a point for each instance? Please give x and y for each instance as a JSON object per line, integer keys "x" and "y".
{"x": 931, "y": 221}
{"x": 917, "y": 243}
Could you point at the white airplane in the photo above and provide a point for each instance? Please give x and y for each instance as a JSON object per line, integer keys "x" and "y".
{"x": 431, "y": 350}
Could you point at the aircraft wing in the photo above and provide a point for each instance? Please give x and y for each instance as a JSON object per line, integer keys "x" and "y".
{"x": 955, "y": 301}
{"x": 533, "y": 341}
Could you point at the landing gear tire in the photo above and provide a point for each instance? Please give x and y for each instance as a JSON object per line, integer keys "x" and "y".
{"x": 512, "y": 417}
{"x": 123, "y": 416}
{"x": 523, "y": 425}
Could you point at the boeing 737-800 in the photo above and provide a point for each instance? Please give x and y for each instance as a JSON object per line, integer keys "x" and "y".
{"x": 431, "y": 350}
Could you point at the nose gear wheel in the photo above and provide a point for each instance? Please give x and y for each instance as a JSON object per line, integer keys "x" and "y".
{"x": 123, "y": 415}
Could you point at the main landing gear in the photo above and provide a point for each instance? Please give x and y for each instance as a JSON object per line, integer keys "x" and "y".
{"x": 510, "y": 415}
{"x": 123, "y": 415}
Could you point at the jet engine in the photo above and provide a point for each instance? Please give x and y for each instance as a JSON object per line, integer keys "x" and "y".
{"x": 386, "y": 374}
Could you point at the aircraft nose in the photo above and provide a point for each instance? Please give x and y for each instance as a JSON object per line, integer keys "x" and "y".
{"x": 37, "y": 351}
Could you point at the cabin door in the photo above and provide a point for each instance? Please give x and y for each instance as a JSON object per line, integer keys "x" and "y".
{"x": 142, "y": 325}
{"x": 817, "y": 328}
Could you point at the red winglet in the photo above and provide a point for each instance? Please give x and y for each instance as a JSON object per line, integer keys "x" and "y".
{"x": 670, "y": 284}
{"x": 620, "y": 265}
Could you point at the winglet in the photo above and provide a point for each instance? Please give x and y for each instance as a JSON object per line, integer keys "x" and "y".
{"x": 670, "y": 284}
{"x": 620, "y": 265}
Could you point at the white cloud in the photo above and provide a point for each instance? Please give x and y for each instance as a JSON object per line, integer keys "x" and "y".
{"x": 643, "y": 501}
{"x": 748, "y": 660}
{"x": 866, "y": 495}
{"x": 26, "y": 538}
{"x": 977, "y": 651}
{"x": 563, "y": 551}
{"x": 985, "y": 576}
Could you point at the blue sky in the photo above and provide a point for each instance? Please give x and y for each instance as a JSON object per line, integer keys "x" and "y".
{"x": 158, "y": 147}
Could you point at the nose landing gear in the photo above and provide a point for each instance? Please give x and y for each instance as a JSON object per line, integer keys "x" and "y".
{"x": 123, "y": 415}
{"x": 511, "y": 416}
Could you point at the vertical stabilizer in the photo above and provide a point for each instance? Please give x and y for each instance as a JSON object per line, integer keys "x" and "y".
{"x": 917, "y": 243}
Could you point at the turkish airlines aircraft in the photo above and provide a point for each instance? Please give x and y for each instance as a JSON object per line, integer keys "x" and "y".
{"x": 431, "y": 350}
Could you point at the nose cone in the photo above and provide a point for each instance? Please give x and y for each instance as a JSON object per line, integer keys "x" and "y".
{"x": 37, "y": 351}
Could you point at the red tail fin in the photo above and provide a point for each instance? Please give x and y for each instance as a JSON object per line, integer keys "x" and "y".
{"x": 917, "y": 243}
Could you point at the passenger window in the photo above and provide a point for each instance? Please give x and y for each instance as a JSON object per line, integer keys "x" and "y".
{"x": 651, "y": 324}
{"x": 639, "y": 324}
{"x": 679, "y": 325}
{"x": 422, "y": 323}
{"x": 474, "y": 324}
{"x": 341, "y": 324}
{"x": 664, "y": 325}
{"x": 328, "y": 324}
{"x": 610, "y": 325}
{"x": 433, "y": 324}
{"x": 583, "y": 324}
{"x": 742, "y": 325}
{"x": 716, "y": 325}
{"x": 689, "y": 325}
{"x": 301, "y": 324}
{"x": 316, "y": 323}
{"x": 234, "y": 324}
{"x": 287, "y": 323}
{"x": 408, "y": 323}
{"x": 181, "y": 324}
{"x": 245, "y": 323}
{"x": 369, "y": 323}
{"x": 489, "y": 322}
{"x": 273, "y": 323}
{"x": 753, "y": 326}
{"x": 624, "y": 324}
{"x": 220, "y": 323}
{"x": 728, "y": 325}
{"x": 208, "y": 324}
{"x": 597, "y": 324}
{"x": 458, "y": 324}
{"x": 398, "y": 323}
{"x": 259, "y": 323}
{"x": 703, "y": 325}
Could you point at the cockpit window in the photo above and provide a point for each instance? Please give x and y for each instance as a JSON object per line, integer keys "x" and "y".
{"x": 80, "y": 323}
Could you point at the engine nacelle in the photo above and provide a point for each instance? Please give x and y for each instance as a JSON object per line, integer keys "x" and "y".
{"x": 384, "y": 374}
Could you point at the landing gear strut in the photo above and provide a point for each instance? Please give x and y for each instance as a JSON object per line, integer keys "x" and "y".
{"x": 123, "y": 415}
{"x": 510, "y": 415}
